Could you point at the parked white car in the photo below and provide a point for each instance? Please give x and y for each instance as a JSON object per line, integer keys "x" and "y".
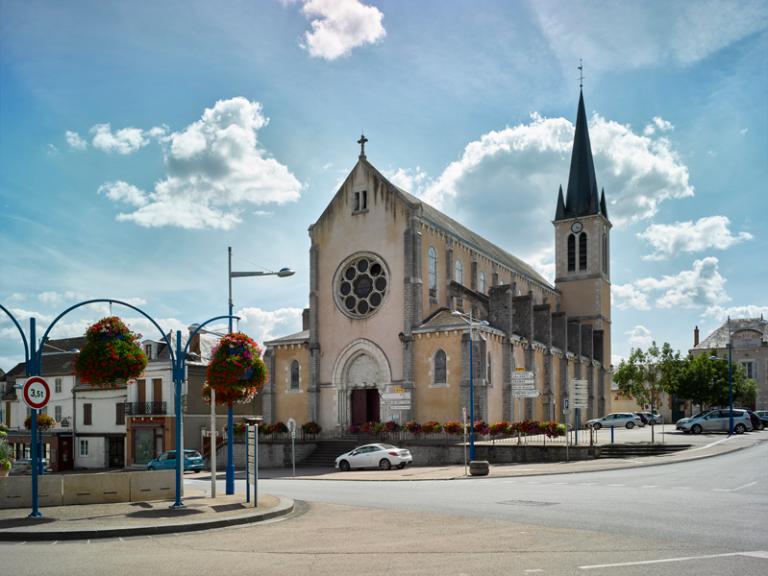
{"x": 383, "y": 456}
{"x": 616, "y": 420}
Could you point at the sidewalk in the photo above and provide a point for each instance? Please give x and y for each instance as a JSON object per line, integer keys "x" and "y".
{"x": 203, "y": 513}
{"x": 138, "y": 518}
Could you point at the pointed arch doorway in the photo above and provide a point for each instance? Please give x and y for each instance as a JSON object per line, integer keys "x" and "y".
{"x": 361, "y": 375}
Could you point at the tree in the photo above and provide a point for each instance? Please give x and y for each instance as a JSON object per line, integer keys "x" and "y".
{"x": 704, "y": 380}
{"x": 645, "y": 375}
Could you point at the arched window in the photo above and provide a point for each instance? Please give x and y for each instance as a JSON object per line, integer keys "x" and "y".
{"x": 481, "y": 283}
{"x": 571, "y": 252}
{"x": 605, "y": 253}
{"x": 295, "y": 375}
{"x": 458, "y": 275}
{"x": 432, "y": 271}
{"x": 440, "y": 371}
{"x": 583, "y": 251}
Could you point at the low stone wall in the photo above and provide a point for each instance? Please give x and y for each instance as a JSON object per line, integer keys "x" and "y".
{"x": 271, "y": 454}
{"x": 97, "y": 488}
{"x": 440, "y": 454}
{"x": 425, "y": 453}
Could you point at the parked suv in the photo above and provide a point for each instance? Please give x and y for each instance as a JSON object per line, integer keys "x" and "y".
{"x": 616, "y": 420}
{"x": 167, "y": 461}
{"x": 717, "y": 421}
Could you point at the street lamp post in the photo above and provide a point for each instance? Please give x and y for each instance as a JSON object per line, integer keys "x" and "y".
{"x": 282, "y": 273}
{"x": 471, "y": 323}
{"x": 730, "y": 379}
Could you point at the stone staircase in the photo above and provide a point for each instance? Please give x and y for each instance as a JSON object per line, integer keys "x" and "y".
{"x": 636, "y": 450}
{"x": 326, "y": 452}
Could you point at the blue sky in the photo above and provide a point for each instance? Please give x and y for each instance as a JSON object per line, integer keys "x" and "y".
{"x": 139, "y": 140}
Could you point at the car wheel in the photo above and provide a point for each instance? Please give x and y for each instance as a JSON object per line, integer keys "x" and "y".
{"x": 401, "y": 466}
{"x": 385, "y": 464}
{"x": 630, "y": 425}
{"x": 344, "y": 466}
{"x": 696, "y": 429}
{"x": 151, "y": 468}
{"x": 739, "y": 428}
{"x": 597, "y": 425}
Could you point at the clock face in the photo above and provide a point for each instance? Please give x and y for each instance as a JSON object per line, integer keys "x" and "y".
{"x": 576, "y": 227}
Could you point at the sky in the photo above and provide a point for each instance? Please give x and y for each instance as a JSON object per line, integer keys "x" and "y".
{"x": 138, "y": 140}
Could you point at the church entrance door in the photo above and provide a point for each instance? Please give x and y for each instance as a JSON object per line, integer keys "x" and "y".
{"x": 364, "y": 405}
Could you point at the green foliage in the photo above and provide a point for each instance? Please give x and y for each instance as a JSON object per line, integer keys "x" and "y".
{"x": 704, "y": 380}
{"x": 646, "y": 374}
{"x": 5, "y": 451}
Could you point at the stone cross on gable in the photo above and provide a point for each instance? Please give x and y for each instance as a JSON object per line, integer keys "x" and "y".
{"x": 362, "y": 142}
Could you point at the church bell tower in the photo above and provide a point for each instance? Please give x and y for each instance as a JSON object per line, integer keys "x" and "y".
{"x": 582, "y": 244}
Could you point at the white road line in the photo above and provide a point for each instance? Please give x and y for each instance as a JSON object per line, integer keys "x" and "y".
{"x": 734, "y": 489}
{"x": 649, "y": 486}
{"x": 616, "y": 485}
{"x": 756, "y": 554}
{"x": 533, "y": 570}
{"x": 586, "y": 484}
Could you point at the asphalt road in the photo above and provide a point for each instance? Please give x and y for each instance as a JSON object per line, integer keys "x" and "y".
{"x": 698, "y": 518}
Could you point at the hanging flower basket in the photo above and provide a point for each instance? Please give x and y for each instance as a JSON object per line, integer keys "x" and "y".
{"x": 236, "y": 370}
{"x": 111, "y": 354}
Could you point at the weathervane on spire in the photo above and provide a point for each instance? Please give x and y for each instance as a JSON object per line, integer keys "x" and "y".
{"x": 580, "y": 67}
{"x": 362, "y": 142}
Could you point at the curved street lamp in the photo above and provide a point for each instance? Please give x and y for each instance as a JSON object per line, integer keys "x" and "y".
{"x": 282, "y": 273}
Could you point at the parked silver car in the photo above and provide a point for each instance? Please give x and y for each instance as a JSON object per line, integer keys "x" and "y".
{"x": 716, "y": 421}
{"x": 616, "y": 420}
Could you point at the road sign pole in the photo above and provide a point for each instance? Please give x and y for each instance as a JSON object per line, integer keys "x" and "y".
{"x": 33, "y": 427}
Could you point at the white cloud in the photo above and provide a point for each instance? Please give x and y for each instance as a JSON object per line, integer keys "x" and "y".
{"x": 75, "y": 140}
{"x": 339, "y": 26}
{"x": 265, "y": 325}
{"x": 524, "y": 165}
{"x": 701, "y": 286}
{"x": 743, "y": 131}
{"x": 124, "y": 141}
{"x": 120, "y": 191}
{"x": 628, "y": 35}
{"x": 639, "y": 337}
{"x": 628, "y": 296}
{"x": 658, "y": 124}
{"x": 709, "y": 232}
{"x": 721, "y": 313}
{"x": 55, "y": 298}
{"x": 214, "y": 166}
{"x": 412, "y": 181}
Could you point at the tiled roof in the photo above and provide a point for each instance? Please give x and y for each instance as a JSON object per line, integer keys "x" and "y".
{"x": 460, "y": 232}
{"x": 298, "y": 337}
{"x": 719, "y": 338}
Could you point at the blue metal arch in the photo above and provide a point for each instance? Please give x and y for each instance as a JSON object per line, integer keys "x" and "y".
{"x": 18, "y": 327}
{"x": 98, "y": 301}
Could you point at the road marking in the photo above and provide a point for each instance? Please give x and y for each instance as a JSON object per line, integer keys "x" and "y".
{"x": 649, "y": 486}
{"x": 586, "y": 484}
{"x": 756, "y": 554}
{"x": 734, "y": 489}
{"x": 533, "y": 570}
{"x": 616, "y": 485}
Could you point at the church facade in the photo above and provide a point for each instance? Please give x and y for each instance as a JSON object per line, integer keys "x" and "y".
{"x": 395, "y": 285}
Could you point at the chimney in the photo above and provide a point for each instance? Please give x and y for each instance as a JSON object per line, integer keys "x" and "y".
{"x": 696, "y": 336}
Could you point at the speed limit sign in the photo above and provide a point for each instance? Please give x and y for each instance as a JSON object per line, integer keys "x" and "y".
{"x": 36, "y": 392}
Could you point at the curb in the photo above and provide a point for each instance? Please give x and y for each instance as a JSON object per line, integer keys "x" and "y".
{"x": 284, "y": 507}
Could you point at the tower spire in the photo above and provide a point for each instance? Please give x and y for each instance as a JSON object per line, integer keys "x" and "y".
{"x": 580, "y": 67}
{"x": 581, "y": 198}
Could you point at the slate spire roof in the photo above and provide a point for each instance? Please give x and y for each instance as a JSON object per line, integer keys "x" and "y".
{"x": 581, "y": 197}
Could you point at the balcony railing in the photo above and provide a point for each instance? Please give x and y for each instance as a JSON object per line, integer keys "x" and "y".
{"x": 145, "y": 408}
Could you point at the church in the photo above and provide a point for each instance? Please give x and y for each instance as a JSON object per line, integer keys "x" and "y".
{"x": 396, "y": 286}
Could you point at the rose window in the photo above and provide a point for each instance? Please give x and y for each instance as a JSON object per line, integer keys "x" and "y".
{"x": 361, "y": 284}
